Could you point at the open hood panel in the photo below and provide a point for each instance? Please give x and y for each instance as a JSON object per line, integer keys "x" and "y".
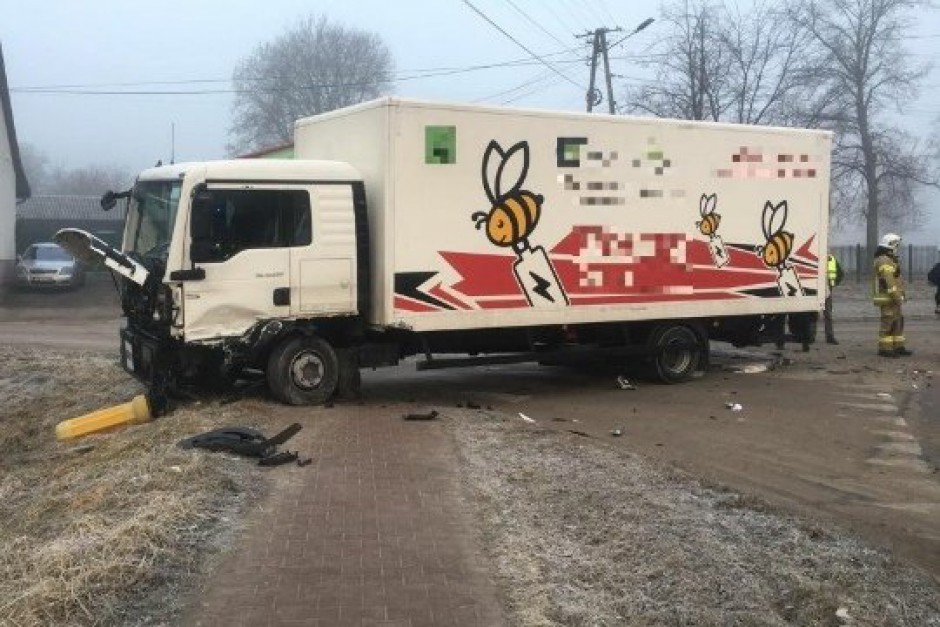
{"x": 93, "y": 250}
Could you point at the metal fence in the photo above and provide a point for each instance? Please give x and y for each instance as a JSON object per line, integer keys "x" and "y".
{"x": 916, "y": 261}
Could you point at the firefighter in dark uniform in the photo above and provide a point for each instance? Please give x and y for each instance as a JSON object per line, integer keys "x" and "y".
{"x": 888, "y": 295}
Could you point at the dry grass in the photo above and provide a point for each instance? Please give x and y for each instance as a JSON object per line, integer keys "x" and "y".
{"x": 583, "y": 534}
{"x": 112, "y": 528}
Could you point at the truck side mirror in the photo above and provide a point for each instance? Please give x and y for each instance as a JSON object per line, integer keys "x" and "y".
{"x": 108, "y": 200}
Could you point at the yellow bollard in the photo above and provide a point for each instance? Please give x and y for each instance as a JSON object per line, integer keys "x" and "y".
{"x": 135, "y": 412}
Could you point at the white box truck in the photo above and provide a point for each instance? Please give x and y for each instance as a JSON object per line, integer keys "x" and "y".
{"x": 410, "y": 228}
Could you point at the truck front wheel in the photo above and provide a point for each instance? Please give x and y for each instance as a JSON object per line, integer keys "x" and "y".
{"x": 303, "y": 371}
{"x": 678, "y": 352}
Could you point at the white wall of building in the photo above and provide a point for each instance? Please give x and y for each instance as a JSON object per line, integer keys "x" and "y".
{"x": 7, "y": 207}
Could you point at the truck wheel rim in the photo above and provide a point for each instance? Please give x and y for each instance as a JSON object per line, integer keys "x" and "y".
{"x": 676, "y": 357}
{"x": 306, "y": 370}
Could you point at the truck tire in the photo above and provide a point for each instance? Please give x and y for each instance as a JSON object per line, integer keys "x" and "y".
{"x": 803, "y": 326}
{"x": 677, "y": 352}
{"x": 303, "y": 370}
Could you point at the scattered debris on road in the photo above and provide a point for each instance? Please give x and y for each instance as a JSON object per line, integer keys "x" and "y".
{"x": 625, "y": 384}
{"x": 734, "y": 406}
{"x": 246, "y": 442}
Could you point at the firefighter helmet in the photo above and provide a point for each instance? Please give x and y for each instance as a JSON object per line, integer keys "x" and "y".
{"x": 891, "y": 241}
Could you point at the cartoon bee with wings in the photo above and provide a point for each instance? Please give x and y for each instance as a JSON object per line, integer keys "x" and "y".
{"x": 513, "y": 215}
{"x": 708, "y": 226}
{"x": 778, "y": 247}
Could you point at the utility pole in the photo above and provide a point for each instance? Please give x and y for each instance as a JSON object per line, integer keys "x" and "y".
{"x": 600, "y": 48}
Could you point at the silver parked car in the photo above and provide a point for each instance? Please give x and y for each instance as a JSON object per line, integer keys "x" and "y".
{"x": 46, "y": 264}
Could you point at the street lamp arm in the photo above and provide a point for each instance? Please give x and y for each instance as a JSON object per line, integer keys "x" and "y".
{"x": 636, "y": 30}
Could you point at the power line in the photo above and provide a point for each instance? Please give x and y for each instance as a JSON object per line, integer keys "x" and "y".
{"x": 542, "y": 85}
{"x": 606, "y": 10}
{"x": 521, "y": 45}
{"x": 405, "y": 75}
{"x": 541, "y": 76}
{"x": 578, "y": 16}
{"x": 533, "y": 22}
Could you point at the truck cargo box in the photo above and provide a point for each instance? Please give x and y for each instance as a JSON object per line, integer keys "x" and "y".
{"x": 489, "y": 217}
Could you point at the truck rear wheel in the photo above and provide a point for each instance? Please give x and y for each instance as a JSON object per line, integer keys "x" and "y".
{"x": 303, "y": 371}
{"x": 678, "y": 352}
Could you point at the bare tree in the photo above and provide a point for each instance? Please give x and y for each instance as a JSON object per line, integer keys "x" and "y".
{"x": 314, "y": 67}
{"x": 717, "y": 63}
{"x": 91, "y": 180}
{"x": 690, "y": 66}
{"x": 35, "y": 165}
{"x": 857, "y": 49}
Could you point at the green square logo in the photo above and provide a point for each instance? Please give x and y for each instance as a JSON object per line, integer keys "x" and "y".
{"x": 440, "y": 145}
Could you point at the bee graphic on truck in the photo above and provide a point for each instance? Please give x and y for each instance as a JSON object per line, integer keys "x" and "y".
{"x": 513, "y": 215}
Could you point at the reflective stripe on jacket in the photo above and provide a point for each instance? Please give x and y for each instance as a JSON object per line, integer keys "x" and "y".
{"x": 887, "y": 288}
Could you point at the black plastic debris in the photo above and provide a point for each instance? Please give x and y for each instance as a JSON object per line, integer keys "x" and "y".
{"x": 247, "y": 442}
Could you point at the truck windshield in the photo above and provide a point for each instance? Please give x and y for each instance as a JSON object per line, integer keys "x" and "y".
{"x": 151, "y": 216}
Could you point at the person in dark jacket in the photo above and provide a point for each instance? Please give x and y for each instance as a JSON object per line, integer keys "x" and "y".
{"x": 934, "y": 278}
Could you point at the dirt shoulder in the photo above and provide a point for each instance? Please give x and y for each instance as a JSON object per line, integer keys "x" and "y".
{"x": 115, "y": 528}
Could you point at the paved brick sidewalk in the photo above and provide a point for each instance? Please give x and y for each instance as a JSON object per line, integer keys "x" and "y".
{"x": 374, "y": 532}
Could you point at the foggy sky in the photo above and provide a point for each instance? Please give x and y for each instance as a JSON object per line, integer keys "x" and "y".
{"x": 101, "y": 43}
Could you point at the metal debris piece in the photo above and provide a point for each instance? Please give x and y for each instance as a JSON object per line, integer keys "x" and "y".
{"x": 734, "y": 406}
{"x": 526, "y": 418}
{"x": 616, "y": 433}
{"x": 624, "y": 383}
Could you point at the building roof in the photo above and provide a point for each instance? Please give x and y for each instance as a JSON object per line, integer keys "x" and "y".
{"x": 283, "y": 151}
{"x": 22, "y": 185}
{"x": 74, "y": 208}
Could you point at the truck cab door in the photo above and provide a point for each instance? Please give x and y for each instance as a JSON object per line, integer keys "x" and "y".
{"x": 240, "y": 243}
{"x": 323, "y": 272}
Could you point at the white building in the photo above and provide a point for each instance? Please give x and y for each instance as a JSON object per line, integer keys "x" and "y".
{"x": 13, "y": 184}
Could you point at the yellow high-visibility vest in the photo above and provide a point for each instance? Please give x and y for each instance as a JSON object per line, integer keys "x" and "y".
{"x": 832, "y": 270}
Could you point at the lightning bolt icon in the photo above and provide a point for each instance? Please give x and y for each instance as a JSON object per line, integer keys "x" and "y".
{"x": 541, "y": 287}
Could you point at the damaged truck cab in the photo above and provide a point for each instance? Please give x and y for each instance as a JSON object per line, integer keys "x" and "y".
{"x": 232, "y": 257}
